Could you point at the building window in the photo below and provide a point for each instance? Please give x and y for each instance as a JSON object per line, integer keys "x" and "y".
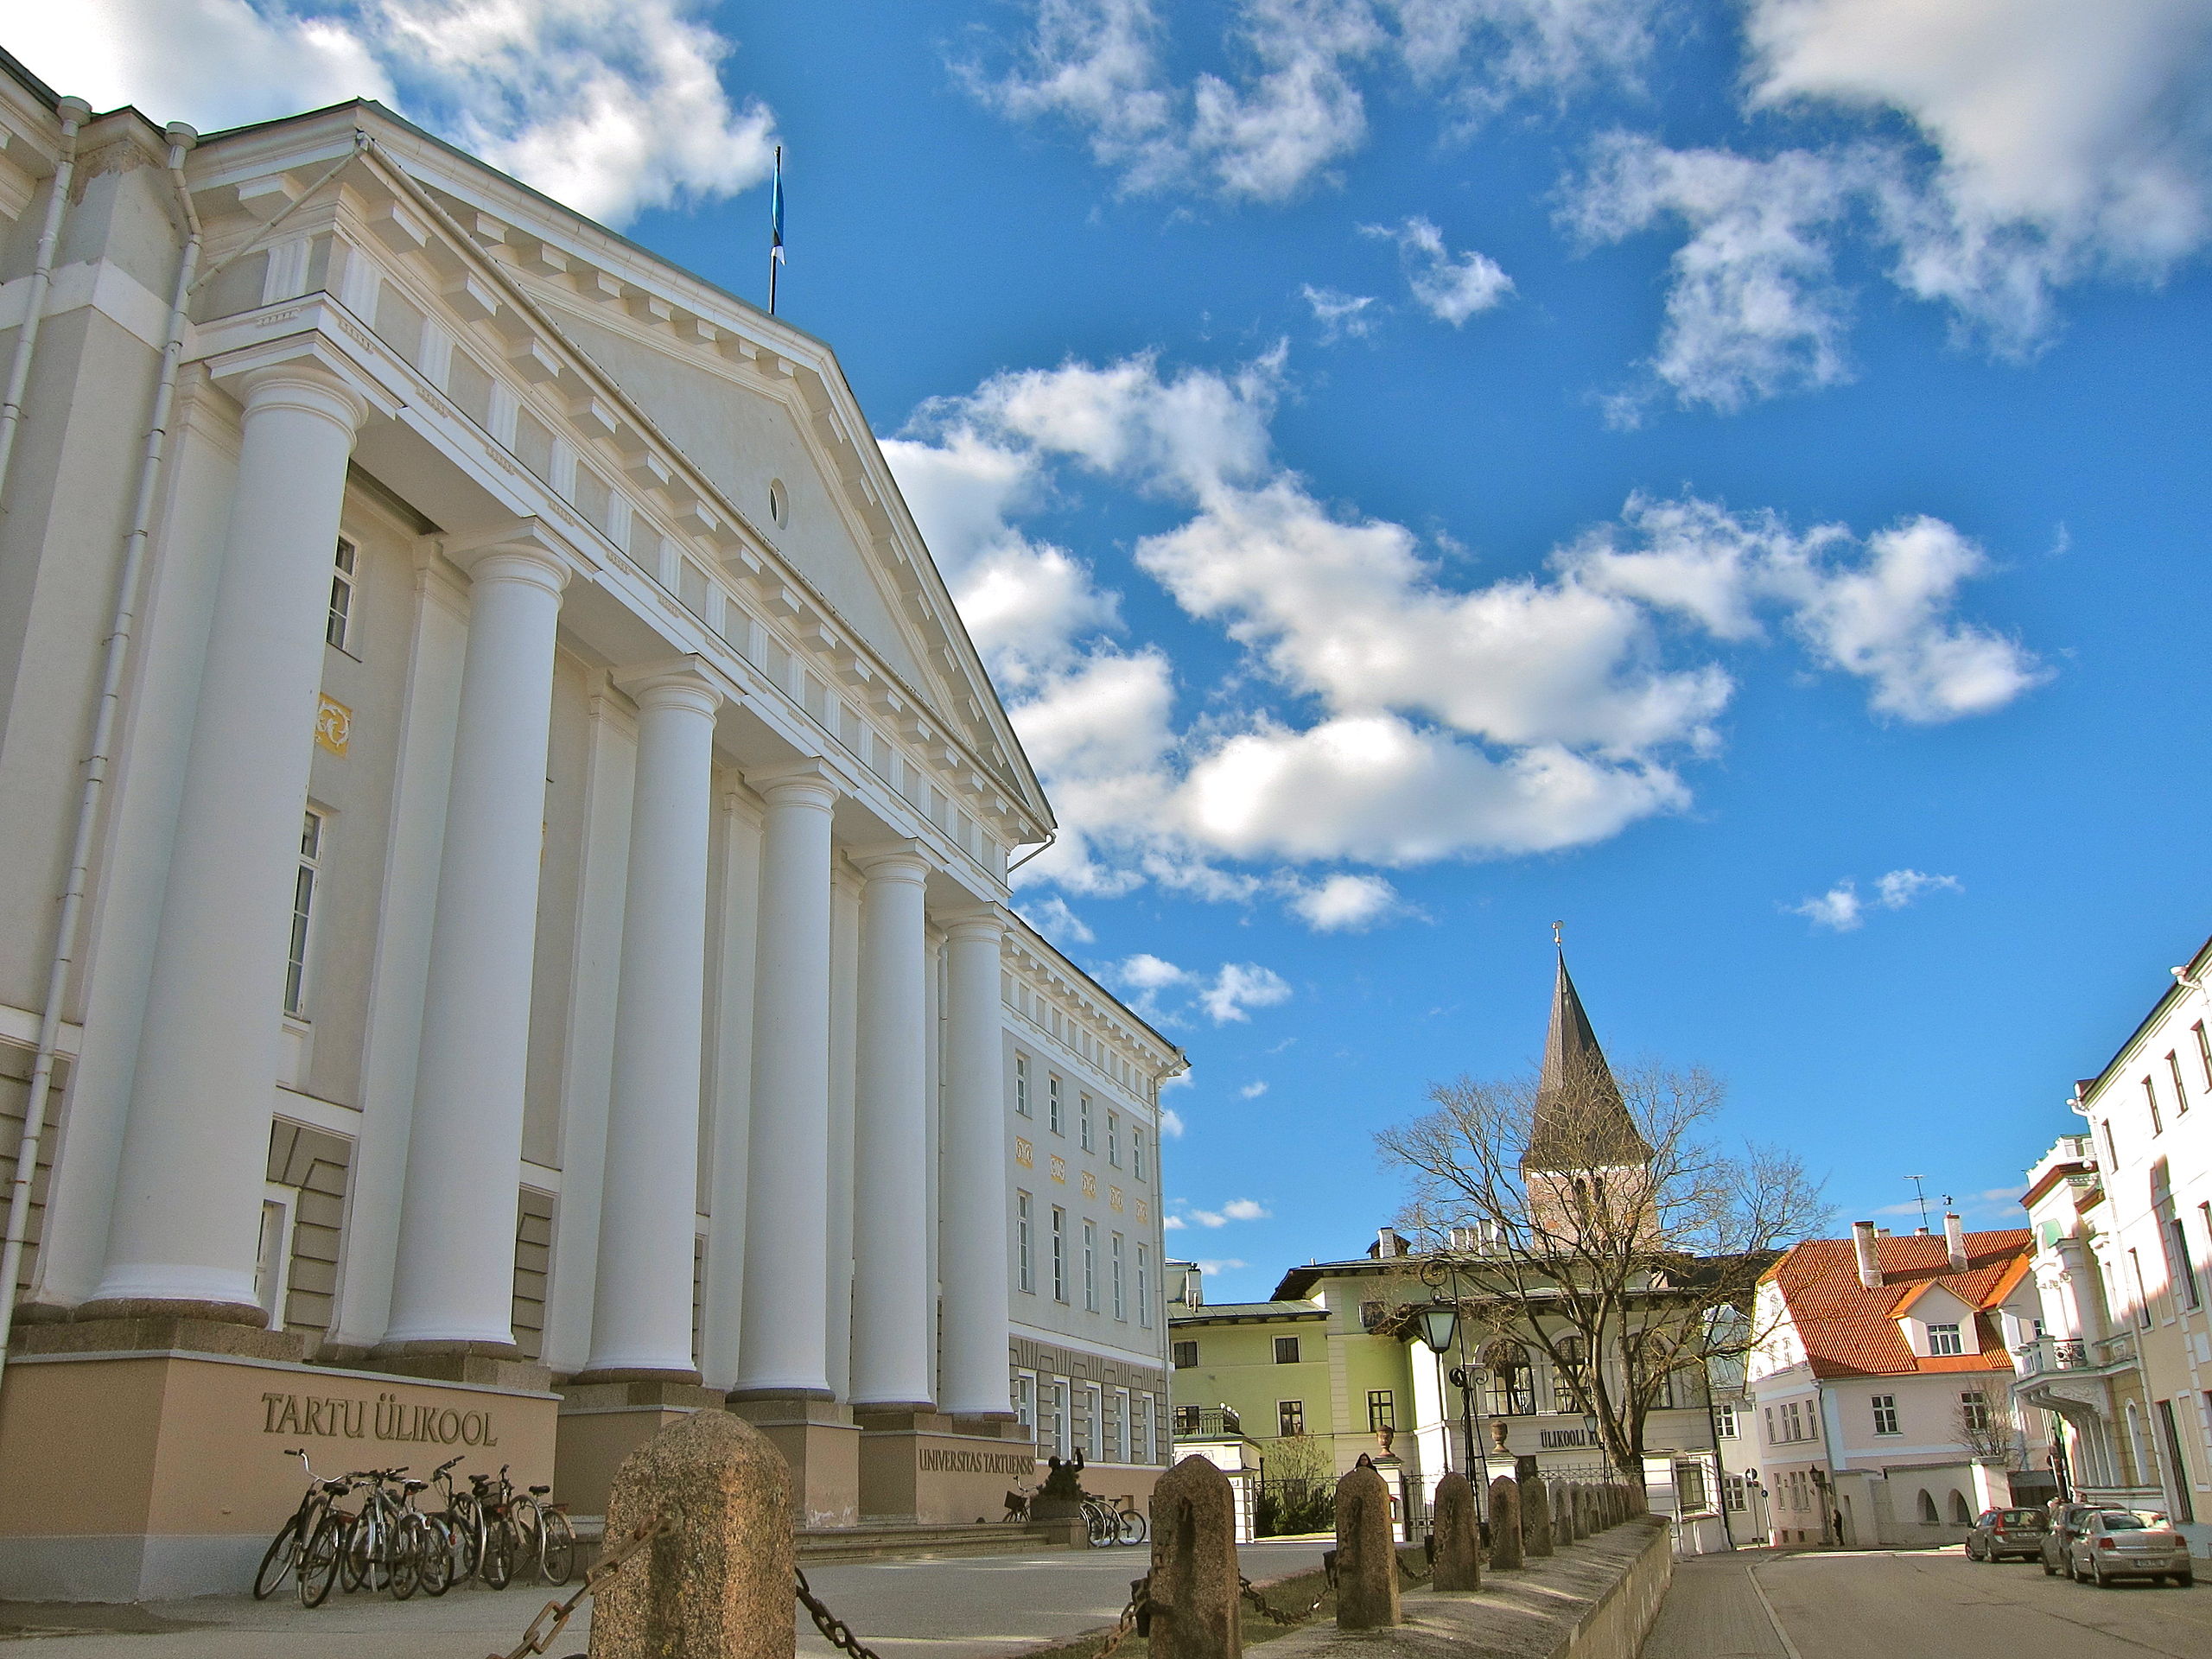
{"x": 340, "y": 628}
{"x": 1053, "y": 1120}
{"x": 2142, "y": 1291}
{"x": 1885, "y": 1413}
{"x": 1021, "y": 1085}
{"x": 1144, "y": 1286}
{"x": 1186, "y": 1355}
{"x": 1059, "y": 1254}
{"x": 1512, "y": 1380}
{"x": 1091, "y": 1266}
{"x": 1117, "y": 1427}
{"x": 2181, "y": 1094}
{"x": 2112, "y": 1147}
{"x": 1083, "y": 1122}
{"x": 1118, "y": 1280}
{"x": 1094, "y": 1430}
{"x": 1771, "y": 1436}
{"x": 1382, "y": 1410}
{"x": 1054, "y": 1430}
{"x": 1136, "y": 1153}
{"x": 1025, "y": 1400}
{"x": 2203, "y": 1052}
{"x": 1689, "y": 1489}
{"x": 1187, "y": 1420}
{"x": 1114, "y": 1139}
{"x": 1290, "y": 1417}
{"x": 2179, "y": 1267}
{"x": 2150, "y": 1100}
{"x": 1945, "y": 1339}
{"x": 1142, "y": 1451}
{"x": 1974, "y": 1411}
{"x": 1025, "y": 1251}
{"x": 1285, "y": 1351}
{"x": 1724, "y": 1424}
{"x": 295, "y": 961}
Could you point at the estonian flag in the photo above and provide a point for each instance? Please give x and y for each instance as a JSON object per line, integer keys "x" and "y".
{"x": 776, "y": 212}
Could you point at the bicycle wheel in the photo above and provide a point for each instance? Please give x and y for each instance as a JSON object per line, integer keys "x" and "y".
{"x": 529, "y": 1538}
{"x": 368, "y": 1561}
{"x": 438, "y": 1556}
{"x": 1098, "y": 1525}
{"x": 277, "y": 1561}
{"x": 462, "y": 1521}
{"x": 556, "y": 1557}
{"x": 1132, "y": 1528}
{"x": 497, "y": 1566}
{"x": 403, "y": 1549}
{"x": 320, "y": 1562}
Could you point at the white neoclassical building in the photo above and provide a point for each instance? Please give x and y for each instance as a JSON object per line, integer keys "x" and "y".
{"x": 503, "y": 925}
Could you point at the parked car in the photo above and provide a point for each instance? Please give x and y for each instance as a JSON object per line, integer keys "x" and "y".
{"x": 1997, "y": 1534}
{"x": 2067, "y": 1520}
{"x": 2104, "y": 1546}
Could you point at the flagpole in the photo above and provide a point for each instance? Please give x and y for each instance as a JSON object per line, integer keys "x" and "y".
{"x": 775, "y": 228}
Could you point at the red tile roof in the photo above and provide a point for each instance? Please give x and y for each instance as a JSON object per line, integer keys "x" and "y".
{"x": 1849, "y": 1331}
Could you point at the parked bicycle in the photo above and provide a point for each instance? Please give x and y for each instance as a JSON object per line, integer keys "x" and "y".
{"x": 1104, "y": 1524}
{"x": 522, "y": 1533}
{"x": 281, "y": 1559}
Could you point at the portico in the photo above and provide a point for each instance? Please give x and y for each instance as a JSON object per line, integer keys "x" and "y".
{"x": 630, "y": 1031}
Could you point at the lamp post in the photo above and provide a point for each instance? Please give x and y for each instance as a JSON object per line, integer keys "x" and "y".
{"x": 1443, "y": 1330}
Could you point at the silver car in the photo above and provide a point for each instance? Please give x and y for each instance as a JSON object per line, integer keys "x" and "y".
{"x": 2108, "y": 1545}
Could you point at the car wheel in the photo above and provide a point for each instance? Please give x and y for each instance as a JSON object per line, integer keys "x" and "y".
{"x": 2183, "y": 1580}
{"x": 2097, "y": 1576}
{"x": 2048, "y": 1571}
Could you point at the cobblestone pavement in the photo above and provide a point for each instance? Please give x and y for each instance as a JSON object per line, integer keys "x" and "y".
{"x": 1915, "y": 1605}
{"x": 971, "y": 1607}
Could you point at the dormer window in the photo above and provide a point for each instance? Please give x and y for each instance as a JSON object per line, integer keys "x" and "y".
{"x": 1945, "y": 1339}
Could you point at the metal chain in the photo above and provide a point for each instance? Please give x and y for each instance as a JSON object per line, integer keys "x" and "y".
{"x": 1138, "y": 1612}
{"x": 834, "y": 1629}
{"x": 554, "y": 1617}
{"x": 1413, "y": 1577}
{"x": 1245, "y": 1590}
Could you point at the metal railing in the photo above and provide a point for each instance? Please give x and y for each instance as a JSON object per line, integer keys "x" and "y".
{"x": 2074, "y": 1354}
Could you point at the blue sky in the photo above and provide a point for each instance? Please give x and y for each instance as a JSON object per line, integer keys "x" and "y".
{"x": 1726, "y": 476}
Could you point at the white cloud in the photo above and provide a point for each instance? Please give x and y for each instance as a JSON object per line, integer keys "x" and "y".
{"x": 1420, "y": 720}
{"x": 1218, "y": 1267}
{"x": 1171, "y": 1123}
{"x": 1345, "y": 903}
{"x": 610, "y": 105}
{"x": 1225, "y": 997}
{"x": 1050, "y": 916}
{"x": 1235, "y": 1210}
{"x": 1841, "y": 909}
{"x": 1244, "y": 1209}
{"x": 1450, "y": 287}
{"x": 1173, "y": 1224}
{"x": 1252, "y": 1090}
{"x": 1287, "y": 106}
{"x": 1341, "y": 315}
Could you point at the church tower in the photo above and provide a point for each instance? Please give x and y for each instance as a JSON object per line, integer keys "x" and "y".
{"x": 1587, "y": 1165}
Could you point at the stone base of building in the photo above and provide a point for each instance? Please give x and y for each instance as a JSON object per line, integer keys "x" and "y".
{"x": 822, "y": 1443}
{"x": 928, "y": 1468}
{"x": 144, "y": 1472}
{"x": 601, "y": 1423}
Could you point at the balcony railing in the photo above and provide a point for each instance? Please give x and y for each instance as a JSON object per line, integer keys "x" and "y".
{"x": 1207, "y": 1423}
{"x": 2117, "y": 1349}
{"x": 2073, "y": 1354}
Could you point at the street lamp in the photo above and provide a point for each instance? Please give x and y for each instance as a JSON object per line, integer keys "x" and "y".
{"x": 1440, "y": 1325}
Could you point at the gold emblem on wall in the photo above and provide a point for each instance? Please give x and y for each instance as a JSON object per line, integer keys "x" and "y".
{"x": 1114, "y": 1198}
{"x": 1024, "y": 1153}
{"x": 333, "y": 725}
{"x": 1090, "y": 1184}
{"x": 1143, "y": 1214}
{"x": 1059, "y": 1169}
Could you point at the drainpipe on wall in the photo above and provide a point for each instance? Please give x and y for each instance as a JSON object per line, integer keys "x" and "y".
{"x": 115, "y": 657}
{"x": 74, "y": 112}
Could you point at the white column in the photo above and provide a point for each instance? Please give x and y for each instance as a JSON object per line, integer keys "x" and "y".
{"x": 186, "y": 1217}
{"x": 731, "y": 1113}
{"x": 973, "y": 1363}
{"x": 893, "y": 1307}
{"x": 453, "y": 1282}
{"x": 641, "y": 1314}
{"x": 782, "y": 1346}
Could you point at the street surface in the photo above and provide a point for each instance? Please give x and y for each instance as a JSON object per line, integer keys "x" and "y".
{"x": 968, "y": 1607}
{"x": 1915, "y": 1605}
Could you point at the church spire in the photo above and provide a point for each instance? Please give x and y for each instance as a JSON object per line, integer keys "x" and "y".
{"x": 1580, "y": 1121}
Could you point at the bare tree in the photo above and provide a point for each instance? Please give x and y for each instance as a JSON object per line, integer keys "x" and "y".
{"x": 1601, "y": 1224}
{"x": 1989, "y": 1429}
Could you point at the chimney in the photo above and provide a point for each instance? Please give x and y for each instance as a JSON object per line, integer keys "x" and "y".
{"x": 1862, "y": 1241}
{"x": 1955, "y": 1235}
{"x": 1386, "y": 1242}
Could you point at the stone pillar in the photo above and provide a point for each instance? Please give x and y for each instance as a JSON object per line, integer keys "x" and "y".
{"x": 186, "y": 1224}
{"x": 719, "y": 1586}
{"x": 1535, "y": 1510}
{"x": 1563, "y": 1516}
{"x": 1504, "y": 1524}
{"x": 893, "y": 1303}
{"x": 973, "y": 1250}
{"x": 1367, "y": 1552}
{"x": 1195, "y": 1614}
{"x": 783, "y": 1350}
{"x": 452, "y": 1281}
{"x": 1458, "y": 1559}
{"x": 641, "y": 1311}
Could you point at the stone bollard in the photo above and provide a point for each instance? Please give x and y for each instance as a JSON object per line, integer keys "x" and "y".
{"x": 1535, "y": 1515}
{"x": 1367, "y": 1552}
{"x": 1194, "y": 1611}
{"x": 1562, "y": 1513}
{"x": 719, "y": 1586}
{"x": 1459, "y": 1558}
{"x": 1505, "y": 1523}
